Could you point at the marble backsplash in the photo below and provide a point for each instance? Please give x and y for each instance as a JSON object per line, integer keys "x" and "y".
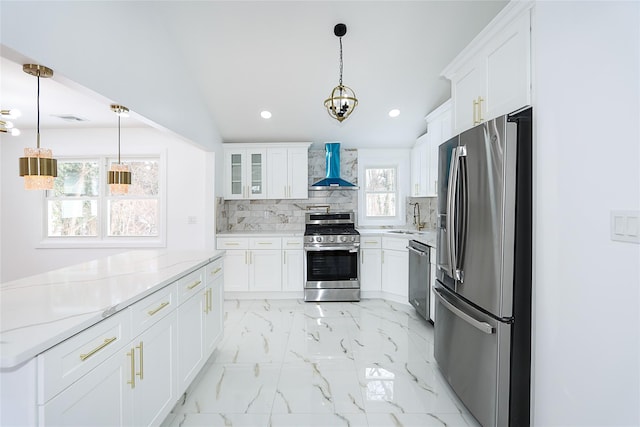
{"x": 288, "y": 215}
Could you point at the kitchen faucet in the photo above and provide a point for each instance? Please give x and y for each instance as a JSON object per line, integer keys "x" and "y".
{"x": 416, "y": 216}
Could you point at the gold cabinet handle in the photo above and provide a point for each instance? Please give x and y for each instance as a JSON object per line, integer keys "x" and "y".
{"x": 480, "y": 119}
{"x": 106, "y": 342}
{"x": 157, "y": 309}
{"x": 132, "y": 381}
{"x": 246, "y": 257}
{"x": 370, "y": 242}
{"x": 475, "y": 112}
{"x": 210, "y": 300}
{"x": 216, "y": 271}
{"x": 231, "y": 243}
{"x": 194, "y": 284}
{"x": 293, "y": 243}
{"x": 265, "y": 243}
{"x": 206, "y": 301}
{"x": 141, "y": 350}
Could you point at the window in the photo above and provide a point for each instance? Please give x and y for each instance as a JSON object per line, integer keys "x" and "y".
{"x": 81, "y": 210}
{"x": 380, "y": 192}
{"x": 383, "y": 176}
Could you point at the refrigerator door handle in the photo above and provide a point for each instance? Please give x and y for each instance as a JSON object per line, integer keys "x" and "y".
{"x": 451, "y": 206}
{"x": 482, "y": 326}
{"x": 454, "y": 211}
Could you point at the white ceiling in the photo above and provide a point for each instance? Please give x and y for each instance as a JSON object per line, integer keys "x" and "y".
{"x": 237, "y": 58}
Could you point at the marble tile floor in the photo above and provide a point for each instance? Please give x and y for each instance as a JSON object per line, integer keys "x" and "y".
{"x": 291, "y": 363}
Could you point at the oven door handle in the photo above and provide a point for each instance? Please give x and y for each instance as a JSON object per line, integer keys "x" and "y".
{"x": 352, "y": 249}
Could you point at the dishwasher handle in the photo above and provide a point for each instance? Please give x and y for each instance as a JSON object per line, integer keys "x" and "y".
{"x": 416, "y": 251}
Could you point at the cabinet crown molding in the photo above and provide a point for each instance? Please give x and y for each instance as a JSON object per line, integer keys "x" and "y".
{"x": 509, "y": 13}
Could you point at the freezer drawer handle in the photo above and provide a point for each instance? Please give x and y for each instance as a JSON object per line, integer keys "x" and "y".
{"x": 482, "y": 326}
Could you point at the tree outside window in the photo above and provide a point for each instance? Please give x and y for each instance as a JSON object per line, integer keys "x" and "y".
{"x": 381, "y": 192}
{"x": 80, "y": 205}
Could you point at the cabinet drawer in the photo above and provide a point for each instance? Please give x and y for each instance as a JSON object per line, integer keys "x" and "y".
{"x": 64, "y": 364}
{"x": 190, "y": 285}
{"x": 368, "y": 242}
{"x": 232, "y": 243}
{"x": 292, "y": 242}
{"x": 148, "y": 311}
{"x": 395, "y": 243}
{"x": 214, "y": 270}
{"x": 265, "y": 243}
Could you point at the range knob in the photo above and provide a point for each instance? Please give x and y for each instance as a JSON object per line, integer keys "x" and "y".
{"x": 343, "y": 238}
{"x": 318, "y": 239}
{"x": 353, "y": 238}
{"x": 332, "y": 239}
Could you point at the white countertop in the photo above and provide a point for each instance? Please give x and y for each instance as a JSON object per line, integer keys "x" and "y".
{"x": 270, "y": 233}
{"x": 428, "y": 237}
{"x": 40, "y": 311}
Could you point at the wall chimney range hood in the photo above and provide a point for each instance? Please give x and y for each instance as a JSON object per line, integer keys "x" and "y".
{"x": 332, "y": 173}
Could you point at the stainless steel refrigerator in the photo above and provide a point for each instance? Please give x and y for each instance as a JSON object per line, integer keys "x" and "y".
{"x": 483, "y": 287}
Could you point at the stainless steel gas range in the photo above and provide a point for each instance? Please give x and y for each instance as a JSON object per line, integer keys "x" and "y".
{"x": 332, "y": 255}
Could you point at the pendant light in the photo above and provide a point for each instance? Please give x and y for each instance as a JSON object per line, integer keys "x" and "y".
{"x": 38, "y": 167}
{"x": 119, "y": 176}
{"x": 343, "y": 100}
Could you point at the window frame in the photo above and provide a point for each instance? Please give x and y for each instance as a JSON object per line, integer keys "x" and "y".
{"x": 398, "y": 159}
{"x": 103, "y": 240}
{"x": 394, "y": 192}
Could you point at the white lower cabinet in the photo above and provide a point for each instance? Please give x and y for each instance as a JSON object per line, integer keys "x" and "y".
{"x": 252, "y": 263}
{"x": 136, "y": 386}
{"x": 100, "y": 398}
{"x": 370, "y": 264}
{"x": 292, "y": 264}
{"x": 190, "y": 345}
{"x": 155, "y": 357}
{"x": 103, "y": 377}
{"x": 395, "y": 266}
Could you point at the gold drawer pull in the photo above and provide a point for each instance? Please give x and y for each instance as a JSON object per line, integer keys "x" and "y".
{"x": 160, "y": 307}
{"x": 371, "y": 242}
{"x": 106, "y": 342}
{"x": 141, "y": 349}
{"x": 132, "y": 381}
{"x": 216, "y": 270}
{"x": 293, "y": 243}
{"x": 231, "y": 243}
{"x": 265, "y": 243}
{"x": 194, "y": 285}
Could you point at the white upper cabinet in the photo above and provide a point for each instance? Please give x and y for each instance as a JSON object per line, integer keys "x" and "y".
{"x": 424, "y": 155}
{"x": 245, "y": 173}
{"x": 288, "y": 171}
{"x": 492, "y": 75}
{"x": 266, "y": 171}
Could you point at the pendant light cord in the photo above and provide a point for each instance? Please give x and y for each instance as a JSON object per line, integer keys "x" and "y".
{"x": 118, "y": 138}
{"x": 340, "y": 61}
{"x": 38, "y": 104}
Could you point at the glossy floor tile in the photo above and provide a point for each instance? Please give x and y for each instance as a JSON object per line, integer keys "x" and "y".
{"x": 291, "y": 363}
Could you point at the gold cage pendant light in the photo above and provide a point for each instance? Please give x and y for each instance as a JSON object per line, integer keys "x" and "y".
{"x": 119, "y": 176}
{"x": 38, "y": 167}
{"x": 343, "y": 99}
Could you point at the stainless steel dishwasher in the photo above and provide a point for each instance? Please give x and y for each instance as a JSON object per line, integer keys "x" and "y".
{"x": 419, "y": 277}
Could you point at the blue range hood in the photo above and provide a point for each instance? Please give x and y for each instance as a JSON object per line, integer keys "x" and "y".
{"x": 333, "y": 180}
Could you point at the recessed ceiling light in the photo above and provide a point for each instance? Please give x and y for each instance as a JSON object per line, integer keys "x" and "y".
{"x": 265, "y": 114}
{"x": 394, "y": 113}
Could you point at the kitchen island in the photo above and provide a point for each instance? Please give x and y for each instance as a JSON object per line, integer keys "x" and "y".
{"x": 76, "y": 342}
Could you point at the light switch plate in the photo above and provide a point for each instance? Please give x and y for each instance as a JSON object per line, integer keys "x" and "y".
{"x": 624, "y": 226}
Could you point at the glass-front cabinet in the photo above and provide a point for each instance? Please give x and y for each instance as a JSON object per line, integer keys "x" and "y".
{"x": 245, "y": 173}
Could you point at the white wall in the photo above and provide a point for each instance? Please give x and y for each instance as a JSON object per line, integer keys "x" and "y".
{"x": 189, "y": 193}
{"x": 587, "y": 163}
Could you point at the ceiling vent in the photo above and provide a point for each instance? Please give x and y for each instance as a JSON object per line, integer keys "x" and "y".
{"x": 70, "y": 118}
